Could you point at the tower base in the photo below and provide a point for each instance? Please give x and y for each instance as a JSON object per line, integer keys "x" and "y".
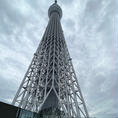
{"x": 51, "y": 112}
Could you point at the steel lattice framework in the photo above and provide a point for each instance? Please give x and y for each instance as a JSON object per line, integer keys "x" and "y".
{"x": 51, "y": 75}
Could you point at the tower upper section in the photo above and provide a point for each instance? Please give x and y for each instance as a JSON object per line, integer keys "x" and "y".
{"x": 55, "y": 8}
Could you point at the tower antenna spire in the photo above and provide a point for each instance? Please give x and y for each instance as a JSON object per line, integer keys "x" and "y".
{"x": 55, "y": 1}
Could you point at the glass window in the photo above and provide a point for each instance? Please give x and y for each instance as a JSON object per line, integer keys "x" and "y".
{"x": 26, "y": 114}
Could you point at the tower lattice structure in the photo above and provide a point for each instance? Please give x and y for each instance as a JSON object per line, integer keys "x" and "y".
{"x": 50, "y": 81}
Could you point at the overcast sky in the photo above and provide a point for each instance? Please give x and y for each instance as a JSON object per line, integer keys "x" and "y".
{"x": 90, "y": 32}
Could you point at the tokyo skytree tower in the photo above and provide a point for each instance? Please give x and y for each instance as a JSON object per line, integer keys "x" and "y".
{"x": 50, "y": 81}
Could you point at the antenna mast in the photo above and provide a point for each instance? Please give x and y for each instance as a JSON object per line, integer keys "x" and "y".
{"x": 55, "y": 1}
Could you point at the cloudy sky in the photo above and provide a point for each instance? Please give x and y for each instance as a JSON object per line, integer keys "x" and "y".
{"x": 90, "y": 32}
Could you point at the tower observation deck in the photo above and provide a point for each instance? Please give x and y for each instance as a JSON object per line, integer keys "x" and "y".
{"x": 50, "y": 83}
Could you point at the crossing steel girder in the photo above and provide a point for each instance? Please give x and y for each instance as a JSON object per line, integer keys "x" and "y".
{"x": 50, "y": 79}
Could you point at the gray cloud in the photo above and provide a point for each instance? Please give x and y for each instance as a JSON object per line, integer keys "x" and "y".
{"x": 90, "y": 30}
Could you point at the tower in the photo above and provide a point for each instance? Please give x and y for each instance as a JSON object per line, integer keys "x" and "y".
{"x": 50, "y": 81}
